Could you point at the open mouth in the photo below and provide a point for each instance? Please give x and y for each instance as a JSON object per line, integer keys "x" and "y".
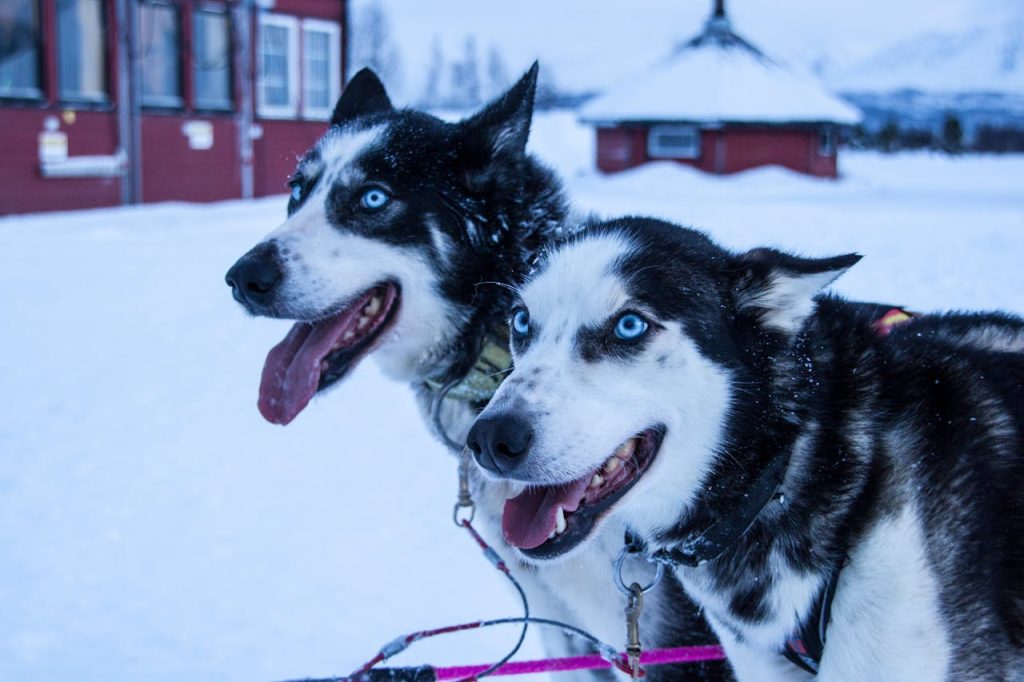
{"x": 545, "y": 522}
{"x": 316, "y": 354}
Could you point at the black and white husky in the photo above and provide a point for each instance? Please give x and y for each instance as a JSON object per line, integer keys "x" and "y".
{"x": 403, "y": 237}
{"x": 808, "y": 477}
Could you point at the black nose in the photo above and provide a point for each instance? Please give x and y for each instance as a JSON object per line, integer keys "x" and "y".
{"x": 254, "y": 278}
{"x": 499, "y": 442}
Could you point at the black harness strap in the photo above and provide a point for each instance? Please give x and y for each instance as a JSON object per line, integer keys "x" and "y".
{"x": 807, "y": 646}
{"x": 712, "y": 541}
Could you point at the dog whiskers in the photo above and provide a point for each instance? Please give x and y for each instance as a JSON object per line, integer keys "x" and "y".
{"x": 515, "y": 290}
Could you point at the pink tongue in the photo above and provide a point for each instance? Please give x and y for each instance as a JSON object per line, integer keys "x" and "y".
{"x": 291, "y": 373}
{"x": 530, "y": 517}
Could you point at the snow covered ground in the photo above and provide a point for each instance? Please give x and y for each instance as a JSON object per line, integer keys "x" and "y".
{"x": 153, "y": 527}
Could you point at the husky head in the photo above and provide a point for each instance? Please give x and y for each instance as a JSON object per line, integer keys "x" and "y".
{"x": 394, "y": 219}
{"x": 636, "y": 345}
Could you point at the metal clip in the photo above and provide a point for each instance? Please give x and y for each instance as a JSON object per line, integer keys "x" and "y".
{"x": 465, "y": 498}
{"x": 634, "y": 606}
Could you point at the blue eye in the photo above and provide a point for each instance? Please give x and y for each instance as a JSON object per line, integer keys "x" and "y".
{"x": 521, "y": 322}
{"x": 630, "y": 327}
{"x": 296, "y": 192}
{"x": 374, "y": 199}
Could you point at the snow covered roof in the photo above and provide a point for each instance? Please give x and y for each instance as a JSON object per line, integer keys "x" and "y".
{"x": 719, "y": 77}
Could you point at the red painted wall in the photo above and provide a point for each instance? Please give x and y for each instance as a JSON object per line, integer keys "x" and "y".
{"x": 171, "y": 170}
{"x": 23, "y": 188}
{"x": 725, "y": 150}
{"x": 277, "y": 151}
{"x": 621, "y": 148}
{"x": 793, "y": 149}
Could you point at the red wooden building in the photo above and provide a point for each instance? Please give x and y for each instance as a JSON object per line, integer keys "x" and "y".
{"x": 104, "y": 102}
{"x": 721, "y": 105}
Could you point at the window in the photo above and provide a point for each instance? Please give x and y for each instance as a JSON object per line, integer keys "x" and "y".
{"x": 211, "y": 59}
{"x": 673, "y": 142}
{"x": 278, "y": 66}
{"x": 321, "y": 68}
{"x": 81, "y": 50}
{"x": 827, "y": 141}
{"x": 160, "y": 45}
{"x": 19, "y": 49}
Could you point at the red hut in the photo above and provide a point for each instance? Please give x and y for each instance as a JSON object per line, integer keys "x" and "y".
{"x": 721, "y": 105}
{"x": 104, "y": 102}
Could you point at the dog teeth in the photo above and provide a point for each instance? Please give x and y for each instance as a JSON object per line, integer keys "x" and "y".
{"x": 596, "y": 481}
{"x": 625, "y": 451}
{"x": 363, "y": 321}
{"x": 348, "y": 335}
{"x": 560, "y": 524}
{"x": 373, "y": 306}
{"x": 611, "y": 465}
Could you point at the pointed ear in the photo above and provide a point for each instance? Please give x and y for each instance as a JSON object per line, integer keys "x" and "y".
{"x": 494, "y": 139}
{"x": 780, "y": 288}
{"x": 363, "y": 95}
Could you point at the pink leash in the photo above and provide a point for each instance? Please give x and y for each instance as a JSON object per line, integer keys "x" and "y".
{"x": 685, "y": 654}
{"x": 608, "y": 658}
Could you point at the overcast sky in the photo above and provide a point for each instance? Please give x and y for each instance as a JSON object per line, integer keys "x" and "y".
{"x": 589, "y": 44}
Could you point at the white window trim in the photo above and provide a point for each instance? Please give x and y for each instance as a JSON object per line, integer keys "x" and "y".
{"x": 827, "y": 141}
{"x": 290, "y": 110}
{"x": 334, "y": 62}
{"x": 656, "y": 151}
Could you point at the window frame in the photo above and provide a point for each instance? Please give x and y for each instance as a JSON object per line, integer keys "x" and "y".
{"x": 177, "y": 102}
{"x": 827, "y": 141}
{"x": 193, "y": 57}
{"x": 39, "y": 93}
{"x": 333, "y": 31}
{"x": 82, "y": 99}
{"x": 656, "y": 150}
{"x": 292, "y": 25}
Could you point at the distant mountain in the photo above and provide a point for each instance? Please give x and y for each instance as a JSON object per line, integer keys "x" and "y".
{"x": 976, "y": 74}
{"x": 981, "y": 59}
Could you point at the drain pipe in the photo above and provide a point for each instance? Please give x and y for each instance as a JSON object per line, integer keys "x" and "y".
{"x": 244, "y": 74}
{"x": 129, "y": 146}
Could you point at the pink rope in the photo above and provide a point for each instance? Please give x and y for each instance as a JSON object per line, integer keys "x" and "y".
{"x": 686, "y": 654}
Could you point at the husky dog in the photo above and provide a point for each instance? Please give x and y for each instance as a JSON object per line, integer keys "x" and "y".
{"x": 848, "y": 498}
{"x": 405, "y": 235}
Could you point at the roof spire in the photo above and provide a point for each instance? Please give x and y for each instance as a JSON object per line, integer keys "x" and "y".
{"x": 718, "y": 21}
{"x": 718, "y": 33}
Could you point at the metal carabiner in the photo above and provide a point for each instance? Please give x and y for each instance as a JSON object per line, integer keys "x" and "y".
{"x": 659, "y": 572}
{"x": 465, "y": 498}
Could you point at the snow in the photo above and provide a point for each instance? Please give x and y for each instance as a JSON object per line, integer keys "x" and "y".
{"x": 154, "y": 528}
{"x": 719, "y": 84}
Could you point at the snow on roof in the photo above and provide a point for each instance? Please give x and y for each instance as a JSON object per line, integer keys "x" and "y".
{"x": 719, "y": 77}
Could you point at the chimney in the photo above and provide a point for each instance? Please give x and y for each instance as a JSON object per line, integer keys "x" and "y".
{"x": 719, "y": 12}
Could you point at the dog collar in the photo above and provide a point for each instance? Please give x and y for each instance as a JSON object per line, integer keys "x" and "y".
{"x": 709, "y": 543}
{"x": 481, "y": 382}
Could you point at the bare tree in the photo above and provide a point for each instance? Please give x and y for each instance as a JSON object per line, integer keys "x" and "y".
{"x": 432, "y": 96}
{"x": 465, "y": 81}
{"x": 373, "y": 46}
{"x": 497, "y": 74}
